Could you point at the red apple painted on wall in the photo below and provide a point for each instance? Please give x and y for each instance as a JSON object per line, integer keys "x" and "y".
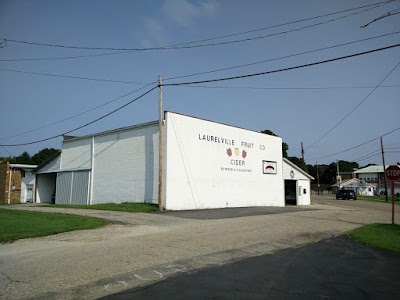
{"x": 229, "y": 152}
{"x": 244, "y": 154}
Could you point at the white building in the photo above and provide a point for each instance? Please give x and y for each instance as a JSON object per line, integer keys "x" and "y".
{"x": 206, "y": 165}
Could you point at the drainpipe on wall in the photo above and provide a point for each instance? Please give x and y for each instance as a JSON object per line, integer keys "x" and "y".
{"x": 9, "y": 185}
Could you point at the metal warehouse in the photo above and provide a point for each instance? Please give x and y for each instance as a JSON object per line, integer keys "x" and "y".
{"x": 205, "y": 165}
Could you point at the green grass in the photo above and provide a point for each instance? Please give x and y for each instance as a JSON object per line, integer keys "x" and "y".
{"x": 383, "y": 236}
{"x": 16, "y": 224}
{"x": 127, "y": 207}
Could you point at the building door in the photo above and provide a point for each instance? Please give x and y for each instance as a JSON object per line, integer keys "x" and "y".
{"x": 29, "y": 193}
{"x": 73, "y": 187}
{"x": 290, "y": 192}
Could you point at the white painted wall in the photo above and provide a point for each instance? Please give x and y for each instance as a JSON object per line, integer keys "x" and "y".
{"x": 292, "y": 173}
{"x": 29, "y": 179}
{"x": 200, "y": 174}
{"x": 126, "y": 166}
{"x": 76, "y": 154}
{"x": 303, "y": 192}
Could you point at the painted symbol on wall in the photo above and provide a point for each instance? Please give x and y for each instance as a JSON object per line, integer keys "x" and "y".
{"x": 237, "y": 152}
{"x": 269, "y": 167}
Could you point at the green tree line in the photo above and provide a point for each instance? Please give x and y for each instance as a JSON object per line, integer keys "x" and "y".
{"x": 36, "y": 159}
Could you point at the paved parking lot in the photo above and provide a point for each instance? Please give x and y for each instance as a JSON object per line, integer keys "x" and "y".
{"x": 143, "y": 249}
{"x": 335, "y": 268}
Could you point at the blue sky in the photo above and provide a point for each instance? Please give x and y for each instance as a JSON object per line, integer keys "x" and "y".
{"x": 300, "y": 105}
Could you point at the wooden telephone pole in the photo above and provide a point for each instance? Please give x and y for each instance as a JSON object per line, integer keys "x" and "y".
{"x": 302, "y": 157}
{"x": 160, "y": 145}
{"x": 384, "y": 169}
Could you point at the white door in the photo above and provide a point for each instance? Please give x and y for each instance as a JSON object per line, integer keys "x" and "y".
{"x": 300, "y": 195}
{"x": 29, "y": 193}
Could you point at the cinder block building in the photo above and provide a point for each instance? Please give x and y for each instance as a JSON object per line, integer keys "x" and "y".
{"x": 17, "y": 183}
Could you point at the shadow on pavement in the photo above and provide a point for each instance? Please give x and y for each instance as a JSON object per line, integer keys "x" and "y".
{"x": 336, "y": 268}
{"x": 225, "y": 213}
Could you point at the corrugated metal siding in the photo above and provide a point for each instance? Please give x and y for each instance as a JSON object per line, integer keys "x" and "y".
{"x": 63, "y": 188}
{"x": 80, "y": 188}
{"x": 72, "y": 187}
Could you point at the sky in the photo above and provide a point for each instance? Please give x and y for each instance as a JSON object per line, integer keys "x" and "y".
{"x": 330, "y": 107}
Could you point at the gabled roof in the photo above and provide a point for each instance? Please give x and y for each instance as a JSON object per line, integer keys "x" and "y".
{"x": 370, "y": 169}
{"x": 297, "y": 168}
{"x": 355, "y": 182}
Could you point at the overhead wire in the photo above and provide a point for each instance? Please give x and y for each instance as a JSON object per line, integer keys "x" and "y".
{"x": 357, "y": 146}
{"x": 82, "y": 126}
{"x": 281, "y": 57}
{"x": 238, "y": 77}
{"x": 289, "y": 88}
{"x": 283, "y": 69}
{"x": 357, "y": 106}
{"x": 199, "y": 73}
{"x": 69, "y": 76}
{"x": 187, "y": 45}
{"x": 77, "y": 115}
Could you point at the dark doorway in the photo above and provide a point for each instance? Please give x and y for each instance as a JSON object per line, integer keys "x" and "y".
{"x": 290, "y": 192}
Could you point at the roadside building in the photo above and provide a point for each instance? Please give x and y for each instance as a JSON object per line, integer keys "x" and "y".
{"x": 206, "y": 165}
{"x": 17, "y": 183}
{"x": 371, "y": 174}
{"x": 381, "y": 188}
{"x": 361, "y": 187}
{"x": 297, "y": 184}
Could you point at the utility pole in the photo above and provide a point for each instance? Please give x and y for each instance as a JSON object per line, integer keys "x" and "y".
{"x": 160, "y": 145}
{"x": 338, "y": 178}
{"x": 317, "y": 178}
{"x": 384, "y": 169}
{"x": 302, "y": 157}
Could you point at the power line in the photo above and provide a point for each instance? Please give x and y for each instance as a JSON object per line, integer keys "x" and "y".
{"x": 199, "y": 73}
{"x": 70, "y": 77}
{"x": 187, "y": 45}
{"x": 288, "y": 88}
{"x": 79, "y": 114}
{"x": 284, "y": 69}
{"x": 6, "y": 151}
{"x": 357, "y": 106}
{"x": 282, "y": 57}
{"x": 355, "y": 147}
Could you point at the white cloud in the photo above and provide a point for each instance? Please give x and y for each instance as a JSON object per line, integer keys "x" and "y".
{"x": 186, "y": 13}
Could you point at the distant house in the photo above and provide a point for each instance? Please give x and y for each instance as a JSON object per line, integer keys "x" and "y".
{"x": 361, "y": 187}
{"x": 346, "y": 175}
{"x": 371, "y": 174}
{"x": 17, "y": 183}
{"x": 381, "y": 188}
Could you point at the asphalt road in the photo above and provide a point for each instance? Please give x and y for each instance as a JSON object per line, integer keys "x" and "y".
{"x": 143, "y": 249}
{"x": 335, "y": 268}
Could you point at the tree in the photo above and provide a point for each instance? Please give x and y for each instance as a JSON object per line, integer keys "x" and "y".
{"x": 37, "y": 159}
{"x": 43, "y": 155}
{"x": 24, "y": 158}
{"x": 285, "y": 147}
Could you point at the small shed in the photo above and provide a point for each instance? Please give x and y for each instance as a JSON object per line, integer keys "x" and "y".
{"x": 297, "y": 184}
{"x": 361, "y": 187}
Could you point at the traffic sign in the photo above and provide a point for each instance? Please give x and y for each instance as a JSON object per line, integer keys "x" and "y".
{"x": 393, "y": 172}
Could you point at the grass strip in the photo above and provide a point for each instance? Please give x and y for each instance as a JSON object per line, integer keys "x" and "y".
{"x": 382, "y": 236}
{"x": 16, "y": 224}
{"x": 127, "y": 207}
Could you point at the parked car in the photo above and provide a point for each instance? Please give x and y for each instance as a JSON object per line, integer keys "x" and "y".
{"x": 346, "y": 194}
